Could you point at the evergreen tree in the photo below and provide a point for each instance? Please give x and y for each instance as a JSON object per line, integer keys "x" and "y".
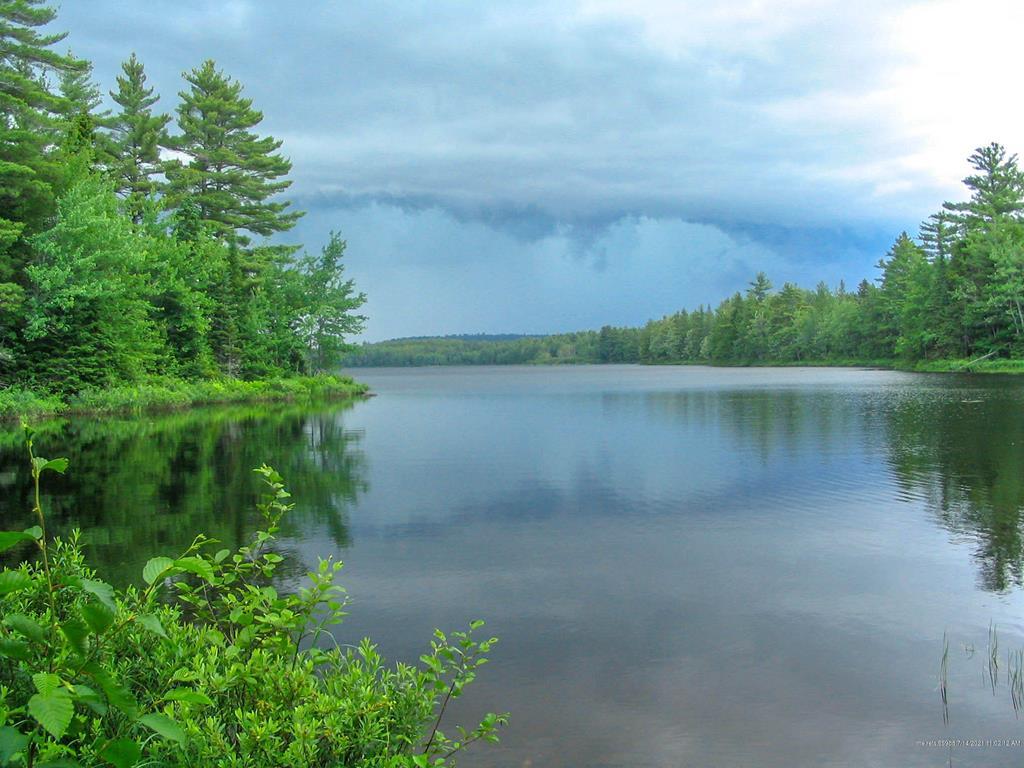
{"x": 997, "y": 187}
{"x": 939, "y": 234}
{"x": 89, "y": 323}
{"x": 231, "y": 174}
{"x": 136, "y": 138}
{"x": 759, "y": 287}
{"x": 230, "y": 320}
{"x": 30, "y": 127}
{"x": 80, "y": 93}
{"x": 1006, "y": 298}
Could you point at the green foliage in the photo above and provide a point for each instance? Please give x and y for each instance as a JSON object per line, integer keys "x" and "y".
{"x": 208, "y": 664}
{"x": 477, "y": 350}
{"x": 31, "y": 127}
{"x": 231, "y": 172}
{"x": 165, "y": 393}
{"x": 330, "y": 301}
{"x": 110, "y": 275}
{"x": 137, "y": 135}
{"x": 88, "y": 321}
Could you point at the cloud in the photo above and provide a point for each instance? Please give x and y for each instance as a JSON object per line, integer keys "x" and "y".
{"x": 543, "y": 131}
{"x": 428, "y": 272}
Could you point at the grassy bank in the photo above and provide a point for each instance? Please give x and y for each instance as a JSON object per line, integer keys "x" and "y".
{"x": 918, "y": 366}
{"x": 169, "y": 394}
{"x": 968, "y": 366}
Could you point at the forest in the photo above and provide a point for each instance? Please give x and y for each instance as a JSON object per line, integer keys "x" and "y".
{"x": 141, "y": 245}
{"x": 955, "y": 292}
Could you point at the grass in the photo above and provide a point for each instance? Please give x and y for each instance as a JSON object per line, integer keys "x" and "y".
{"x": 919, "y": 366}
{"x": 990, "y": 675}
{"x": 171, "y": 394}
{"x": 944, "y": 679}
{"x": 997, "y": 365}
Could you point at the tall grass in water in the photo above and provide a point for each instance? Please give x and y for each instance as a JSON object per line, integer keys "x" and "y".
{"x": 993, "y": 656}
{"x": 1015, "y": 678}
{"x": 1014, "y": 671}
{"x": 944, "y": 678}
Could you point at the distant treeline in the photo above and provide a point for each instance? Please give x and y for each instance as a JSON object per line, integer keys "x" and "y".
{"x": 954, "y": 292}
{"x": 478, "y": 350}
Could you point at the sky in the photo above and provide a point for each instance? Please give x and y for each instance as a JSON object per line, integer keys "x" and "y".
{"x": 536, "y": 167}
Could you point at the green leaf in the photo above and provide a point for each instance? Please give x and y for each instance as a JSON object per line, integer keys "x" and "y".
{"x": 9, "y": 539}
{"x": 164, "y": 726}
{"x": 76, "y": 632}
{"x": 189, "y": 696}
{"x": 117, "y": 695}
{"x": 46, "y": 682}
{"x": 155, "y": 568}
{"x": 101, "y": 590}
{"x": 123, "y": 753}
{"x": 25, "y": 626}
{"x": 40, "y": 465}
{"x": 12, "y": 581}
{"x": 52, "y": 710}
{"x": 35, "y": 532}
{"x": 15, "y": 649}
{"x": 12, "y": 742}
{"x": 98, "y": 617}
{"x": 152, "y": 623}
{"x": 219, "y": 557}
{"x": 91, "y": 699}
{"x": 196, "y": 565}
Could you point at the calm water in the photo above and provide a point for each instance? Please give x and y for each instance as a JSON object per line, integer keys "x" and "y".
{"x": 686, "y": 566}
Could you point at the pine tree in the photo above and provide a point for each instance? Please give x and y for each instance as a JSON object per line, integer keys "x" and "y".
{"x": 30, "y": 127}
{"x": 229, "y": 322}
{"x": 88, "y": 320}
{"x": 137, "y": 135}
{"x": 231, "y": 173}
{"x": 900, "y": 273}
{"x": 80, "y": 93}
{"x": 997, "y": 187}
{"x": 759, "y": 287}
{"x": 938, "y": 235}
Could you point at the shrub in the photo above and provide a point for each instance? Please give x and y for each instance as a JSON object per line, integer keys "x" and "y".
{"x": 208, "y": 664}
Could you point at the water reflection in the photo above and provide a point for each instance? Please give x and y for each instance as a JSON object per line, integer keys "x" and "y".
{"x": 959, "y": 449}
{"x": 139, "y": 487}
{"x": 965, "y": 455}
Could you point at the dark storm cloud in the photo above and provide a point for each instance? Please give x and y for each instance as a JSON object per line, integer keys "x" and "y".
{"x": 548, "y": 155}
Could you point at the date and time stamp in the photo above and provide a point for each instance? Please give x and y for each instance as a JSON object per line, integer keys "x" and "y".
{"x": 972, "y": 743}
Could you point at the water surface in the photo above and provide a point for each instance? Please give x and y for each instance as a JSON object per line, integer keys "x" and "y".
{"x": 686, "y": 566}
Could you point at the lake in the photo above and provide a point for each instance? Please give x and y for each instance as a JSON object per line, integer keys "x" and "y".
{"x": 685, "y": 565}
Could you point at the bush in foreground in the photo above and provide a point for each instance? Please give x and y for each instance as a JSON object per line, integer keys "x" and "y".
{"x": 208, "y": 664}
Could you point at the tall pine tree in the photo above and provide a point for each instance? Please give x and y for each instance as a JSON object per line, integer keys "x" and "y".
{"x": 997, "y": 187}
{"x": 230, "y": 173}
{"x": 137, "y": 135}
{"x": 939, "y": 234}
{"x": 30, "y": 127}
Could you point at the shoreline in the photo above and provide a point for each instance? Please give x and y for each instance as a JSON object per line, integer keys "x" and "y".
{"x": 999, "y": 366}
{"x": 1002, "y": 366}
{"x": 175, "y": 394}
